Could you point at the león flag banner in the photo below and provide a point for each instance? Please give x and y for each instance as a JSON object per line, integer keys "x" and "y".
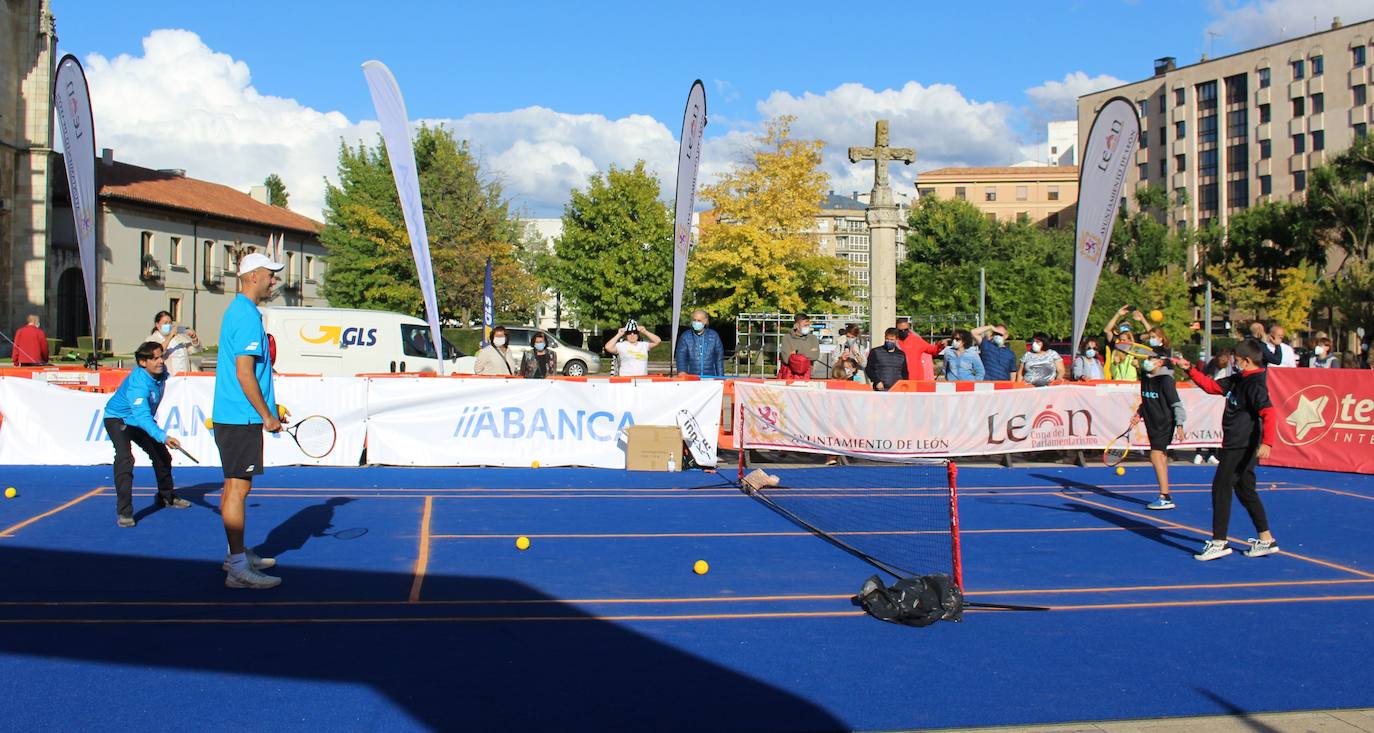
{"x": 688, "y": 163}
{"x": 72, "y": 97}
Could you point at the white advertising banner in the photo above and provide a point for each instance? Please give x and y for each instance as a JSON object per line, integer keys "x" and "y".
{"x": 391, "y": 114}
{"x": 931, "y": 424}
{"x": 76, "y": 127}
{"x": 1108, "y": 154}
{"x": 478, "y": 422}
{"x": 48, "y": 425}
{"x": 688, "y": 163}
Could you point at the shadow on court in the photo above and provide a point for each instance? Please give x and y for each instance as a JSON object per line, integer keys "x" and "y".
{"x": 1068, "y": 484}
{"x": 441, "y": 666}
{"x": 1162, "y": 535}
{"x": 313, "y": 521}
{"x": 1242, "y": 714}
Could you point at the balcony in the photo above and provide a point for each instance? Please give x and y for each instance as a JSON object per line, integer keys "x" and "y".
{"x": 1142, "y": 155}
{"x": 1180, "y": 147}
{"x": 1264, "y": 167}
{"x": 1316, "y": 85}
{"x": 150, "y": 271}
{"x": 1262, "y": 96}
{"x": 1297, "y": 126}
{"x": 1262, "y": 131}
{"x": 1315, "y": 123}
{"x": 1181, "y": 180}
{"x": 1358, "y": 75}
{"x": 1297, "y": 89}
{"x": 213, "y": 277}
{"x": 1297, "y": 163}
{"x": 1359, "y": 115}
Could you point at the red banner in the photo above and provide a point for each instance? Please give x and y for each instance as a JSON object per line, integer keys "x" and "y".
{"x": 1326, "y": 419}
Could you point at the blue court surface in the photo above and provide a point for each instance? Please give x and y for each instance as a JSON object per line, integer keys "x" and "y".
{"x": 406, "y": 606}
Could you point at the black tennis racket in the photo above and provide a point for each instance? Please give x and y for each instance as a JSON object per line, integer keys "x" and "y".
{"x": 314, "y": 435}
{"x": 187, "y": 453}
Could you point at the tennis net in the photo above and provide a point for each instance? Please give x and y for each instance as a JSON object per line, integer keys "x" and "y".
{"x": 899, "y": 514}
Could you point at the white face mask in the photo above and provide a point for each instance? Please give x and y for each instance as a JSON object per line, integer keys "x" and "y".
{"x": 998, "y": 339}
{"x": 1156, "y": 342}
{"x": 1036, "y": 346}
{"x": 804, "y": 330}
{"x": 499, "y": 341}
{"x": 1150, "y": 365}
{"x": 1090, "y": 353}
{"x": 1321, "y": 351}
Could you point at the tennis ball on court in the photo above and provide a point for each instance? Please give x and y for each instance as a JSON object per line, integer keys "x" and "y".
{"x": 1121, "y": 470}
{"x": 522, "y": 543}
{"x": 534, "y": 464}
{"x": 700, "y": 567}
{"x": 1156, "y": 315}
{"x": 10, "y": 493}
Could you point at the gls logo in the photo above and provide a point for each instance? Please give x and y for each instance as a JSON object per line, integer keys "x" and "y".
{"x": 515, "y": 423}
{"x": 351, "y": 336}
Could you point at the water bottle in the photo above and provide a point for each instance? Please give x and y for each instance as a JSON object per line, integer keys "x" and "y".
{"x": 672, "y": 465}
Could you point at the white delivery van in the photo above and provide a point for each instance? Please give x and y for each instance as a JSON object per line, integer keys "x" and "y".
{"x": 340, "y": 342}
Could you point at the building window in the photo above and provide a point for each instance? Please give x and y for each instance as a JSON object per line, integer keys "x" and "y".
{"x": 927, "y": 192}
{"x": 1264, "y": 114}
{"x": 1180, "y": 94}
{"x": 1144, "y": 139}
{"x": 1361, "y": 129}
{"x": 1298, "y": 70}
{"x": 1180, "y": 130}
{"x": 1053, "y": 193}
{"x": 1361, "y": 95}
{"x": 1052, "y": 221}
{"x": 176, "y": 251}
{"x": 1264, "y": 78}
{"x": 1207, "y": 163}
{"x": 961, "y": 193}
{"x": 1357, "y": 56}
{"x": 145, "y": 247}
{"x": 174, "y": 308}
{"x": 1163, "y": 167}
{"x": 1237, "y": 87}
{"x": 990, "y": 193}
{"x": 208, "y": 258}
{"x": 229, "y": 263}
{"x": 1266, "y": 149}
{"x": 1207, "y": 197}
{"x": 1180, "y": 164}
{"x": 1161, "y": 102}
{"x": 991, "y": 216}
{"x": 309, "y": 269}
{"x": 1237, "y": 158}
{"x": 1022, "y": 193}
{"x": 1317, "y": 65}
{"x": 1207, "y": 96}
{"x": 1207, "y": 129}
{"x": 1144, "y": 108}
{"x": 1142, "y": 170}
{"x": 1318, "y": 103}
{"x": 1238, "y": 193}
{"x": 1054, "y": 150}
{"x": 1299, "y": 107}
{"x": 1266, "y": 185}
{"x": 1022, "y": 217}
{"x": 290, "y": 273}
{"x": 1318, "y": 140}
{"x": 1299, "y": 144}
{"x": 1238, "y": 124}
{"x": 1299, "y": 180}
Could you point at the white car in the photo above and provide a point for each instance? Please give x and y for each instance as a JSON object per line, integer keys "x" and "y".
{"x": 572, "y": 361}
{"x": 339, "y": 342}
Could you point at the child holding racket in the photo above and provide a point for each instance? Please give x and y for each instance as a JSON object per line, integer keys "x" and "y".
{"x": 1247, "y": 432}
{"x": 1163, "y": 414}
{"x": 130, "y": 419}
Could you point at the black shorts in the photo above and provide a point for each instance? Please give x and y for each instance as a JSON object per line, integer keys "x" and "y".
{"x": 240, "y": 450}
{"x": 1160, "y": 438}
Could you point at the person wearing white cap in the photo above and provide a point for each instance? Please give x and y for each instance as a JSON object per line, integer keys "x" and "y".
{"x": 245, "y": 406}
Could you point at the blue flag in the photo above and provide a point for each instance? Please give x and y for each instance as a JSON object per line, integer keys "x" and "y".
{"x": 488, "y": 308}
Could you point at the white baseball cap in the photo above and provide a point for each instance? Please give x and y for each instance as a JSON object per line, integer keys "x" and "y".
{"x": 254, "y": 261}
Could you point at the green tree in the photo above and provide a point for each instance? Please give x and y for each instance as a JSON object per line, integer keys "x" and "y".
{"x": 1141, "y": 246}
{"x": 1298, "y": 291}
{"x": 276, "y": 191}
{"x": 1340, "y": 201}
{"x": 1238, "y": 285}
{"x": 1271, "y": 236}
{"x": 758, "y": 254}
{"x": 614, "y": 260}
{"x": 944, "y": 232}
{"x": 1168, "y": 293}
{"x": 371, "y": 265}
{"x": 1351, "y": 294}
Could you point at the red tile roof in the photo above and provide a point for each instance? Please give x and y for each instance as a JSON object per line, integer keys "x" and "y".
{"x": 123, "y": 181}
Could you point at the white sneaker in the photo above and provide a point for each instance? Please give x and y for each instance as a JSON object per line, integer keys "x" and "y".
{"x": 1197, "y": 459}
{"x": 1260, "y": 548}
{"x": 1213, "y": 550}
{"x": 250, "y": 578}
{"x": 258, "y": 563}
{"x": 1213, "y": 460}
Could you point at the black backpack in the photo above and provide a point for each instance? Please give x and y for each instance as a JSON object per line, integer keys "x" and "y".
{"x": 919, "y": 601}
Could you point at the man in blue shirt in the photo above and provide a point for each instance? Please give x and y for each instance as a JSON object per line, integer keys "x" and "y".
{"x": 131, "y": 418}
{"x": 999, "y": 361}
{"x": 245, "y": 406}
{"x": 699, "y": 351}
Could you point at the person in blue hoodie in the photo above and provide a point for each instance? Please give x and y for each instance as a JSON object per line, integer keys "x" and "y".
{"x": 131, "y": 419}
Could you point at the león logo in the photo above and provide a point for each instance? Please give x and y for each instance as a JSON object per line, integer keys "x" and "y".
{"x": 1313, "y": 412}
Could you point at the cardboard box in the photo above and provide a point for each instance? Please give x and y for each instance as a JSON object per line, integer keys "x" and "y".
{"x": 653, "y": 448}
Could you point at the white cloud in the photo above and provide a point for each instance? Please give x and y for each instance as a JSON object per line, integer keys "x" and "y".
{"x": 1058, "y": 100}
{"x": 1250, "y": 24}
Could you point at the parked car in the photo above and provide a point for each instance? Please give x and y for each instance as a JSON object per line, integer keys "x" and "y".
{"x": 572, "y": 361}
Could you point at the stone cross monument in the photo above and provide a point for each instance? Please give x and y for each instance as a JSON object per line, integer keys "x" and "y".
{"x": 883, "y": 221}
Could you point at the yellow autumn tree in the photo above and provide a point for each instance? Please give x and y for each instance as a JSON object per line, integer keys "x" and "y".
{"x": 1298, "y": 290}
{"x": 757, "y": 252}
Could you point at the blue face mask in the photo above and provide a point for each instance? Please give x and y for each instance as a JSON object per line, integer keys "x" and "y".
{"x": 698, "y": 326}
{"x": 805, "y": 330}
{"x": 540, "y": 346}
{"x": 165, "y": 328}
{"x": 1090, "y": 353}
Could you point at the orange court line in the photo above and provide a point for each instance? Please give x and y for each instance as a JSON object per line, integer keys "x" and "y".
{"x": 443, "y": 619}
{"x": 1206, "y": 533}
{"x": 1137, "y": 588}
{"x": 9, "y": 532}
{"x": 1342, "y": 493}
{"x": 1222, "y": 602}
{"x": 733, "y": 494}
{"x": 671, "y": 535}
{"x": 422, "y": 559}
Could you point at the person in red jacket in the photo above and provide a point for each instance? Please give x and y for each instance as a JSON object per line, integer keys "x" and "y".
{"x": 1247, "y": 433}
{"x": 30, "y": 344}
{"x": 918, "y": 351}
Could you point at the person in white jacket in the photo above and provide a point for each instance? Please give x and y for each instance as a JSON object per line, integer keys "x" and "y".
{"x": 178, "y": 343}
{"x": 495, "y": 358}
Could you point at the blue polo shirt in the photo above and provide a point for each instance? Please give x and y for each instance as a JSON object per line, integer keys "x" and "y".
{"x": 241, "y": 334}
{"x": 136, "y": 401}
{"x": 998, "y": 361}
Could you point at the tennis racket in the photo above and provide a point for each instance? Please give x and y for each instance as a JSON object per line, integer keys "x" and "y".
{"x": 314, "y": 435}
{"x": 186, "y": 453}
{"x": 347, "y": 534}
{"x": 1139, "y": 351}
{"x": 1116, "y": 451}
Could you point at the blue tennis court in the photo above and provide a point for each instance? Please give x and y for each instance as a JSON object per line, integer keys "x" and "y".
{"x": 406, "y": 605}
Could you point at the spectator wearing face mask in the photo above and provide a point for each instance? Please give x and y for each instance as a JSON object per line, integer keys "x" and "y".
{"x": 1087, "y": 365}
{"x": 798, "y": 350}
{"x": 1278, "y": 346}
{"x": 999, "y": 361}
{"x": 495, "y": 358}
{"x": 699, "y": 351}
{"x": 631, "y": 347}
{"x": 1120, "y": 367}
{"x": 178, "y": 343}
{"x": 962, "y": 362}
{"x": 847, "y": 369}
{"x": 887, "y": 364}
{"x": 1040, "y": 365}
{"x": 919, "y": 353}
{"x": 539, "y": 362}
{"x": 1321, "y": 357}
{"x": 853, "y": 344}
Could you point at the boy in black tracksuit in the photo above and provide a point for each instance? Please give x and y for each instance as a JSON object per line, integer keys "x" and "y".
{"x": 1162, "y": 411}
{"x": 1243, "y": 444}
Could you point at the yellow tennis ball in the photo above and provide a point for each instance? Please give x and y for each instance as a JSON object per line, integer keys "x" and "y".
{"x": 1156, "y": 315}
{"x": 534, "y": 464}
{"x": 209, "y": 424}
{"x": 1121, "y": 470}
{"x": 281, "y": 410}
{"x": 522, "y": 543}
{"x": 700, "y": 567}
{"x": 10, "y": 493}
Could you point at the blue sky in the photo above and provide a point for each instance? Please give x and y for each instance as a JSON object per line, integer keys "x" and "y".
{"x": 598, "y": 69}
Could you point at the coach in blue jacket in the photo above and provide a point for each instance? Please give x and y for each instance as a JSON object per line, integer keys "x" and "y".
{"x": 699, "y": 351}
{"x": 130, "y": 418}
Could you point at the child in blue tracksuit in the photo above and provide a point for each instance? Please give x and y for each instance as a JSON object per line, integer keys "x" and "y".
{"x": 130, "y": 418}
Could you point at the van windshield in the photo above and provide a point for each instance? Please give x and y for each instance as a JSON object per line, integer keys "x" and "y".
{"x": 415, "y": 341}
